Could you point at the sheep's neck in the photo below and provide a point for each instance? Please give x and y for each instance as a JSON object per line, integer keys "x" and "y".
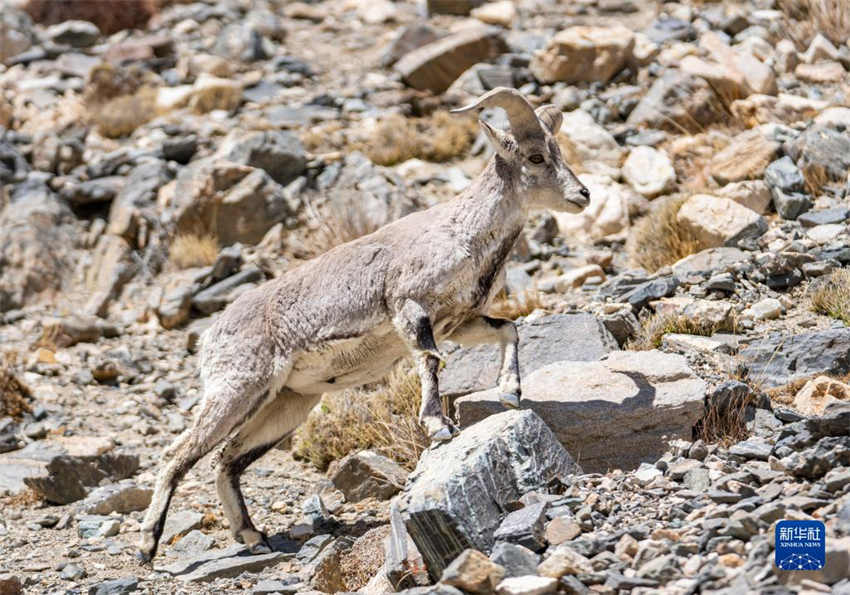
{"x": 489, "y": 219}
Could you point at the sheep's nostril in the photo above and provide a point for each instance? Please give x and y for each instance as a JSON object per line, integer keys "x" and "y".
{"x": 585, "y": 193}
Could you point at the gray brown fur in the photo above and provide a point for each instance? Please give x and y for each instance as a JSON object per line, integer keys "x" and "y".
{"x": 346, "y": 317}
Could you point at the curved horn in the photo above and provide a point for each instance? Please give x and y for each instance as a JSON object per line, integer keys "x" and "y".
{"x": 521, "y": 115}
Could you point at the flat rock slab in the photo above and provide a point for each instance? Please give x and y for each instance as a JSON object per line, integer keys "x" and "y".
{"x": 229, "y": 562}
{"x": 436, "y": 65}
{"x": 461, "y": 490}
{"x": 61, "y": 470}
{"x": 121, "y": 498}
{"x": 549, "y": 339}
{"x": 778, "y": 360}
{"x": 615, "y": 413}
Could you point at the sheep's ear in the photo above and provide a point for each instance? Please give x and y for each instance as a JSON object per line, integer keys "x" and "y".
{"x": 550, "y": 116}
{"x": 503, "y": 143}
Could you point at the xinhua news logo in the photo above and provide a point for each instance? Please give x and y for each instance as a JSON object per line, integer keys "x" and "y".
{"x": 800, "y": 545}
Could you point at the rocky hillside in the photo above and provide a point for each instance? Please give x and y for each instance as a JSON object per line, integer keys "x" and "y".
{"x": 684, "y": 341}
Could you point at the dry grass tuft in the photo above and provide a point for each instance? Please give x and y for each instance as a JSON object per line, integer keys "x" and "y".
{"x": 658, "y": 240}
{"x": 832, "y": 296}
{"x": 192, "y": 250}
{"x": 655, "y": 326}
{"x": 438, "y": 137}
{"x": 121, "y": 115}
{"x": 816, "y": 177}
{"x": 513, "y": 307}
{"x": 726, "y": 421}
{"x": 829, "y": 17}
{"x": 384, "y": 420}
{"x": 337, "y": 222}
{"x": 14, "y": 394}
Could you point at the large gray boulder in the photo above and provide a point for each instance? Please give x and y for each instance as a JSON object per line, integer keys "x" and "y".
{"x": 62, "y": 470}
{"x": 460, "y": 491}
{"x": 234, "y": 202}
{"x": 614, "y": 413}
{"x": 780, "y": 359}
{"x": 545, "y": 340}
{"x": 36, "y": 247}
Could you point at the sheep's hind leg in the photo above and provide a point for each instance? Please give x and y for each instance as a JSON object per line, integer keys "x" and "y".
{"x": 414, "y": 326}
{"x": 220, "y": 414}
{"x": 485, "y": 329}
{"x": 261, "y": 433}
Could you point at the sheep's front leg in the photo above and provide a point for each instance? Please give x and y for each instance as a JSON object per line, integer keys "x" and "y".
{"x": 413, "y": 324}
{"x": 484, "y": 329}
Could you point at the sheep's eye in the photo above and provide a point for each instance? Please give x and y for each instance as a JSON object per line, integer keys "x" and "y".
{"x": 537, "y": 159}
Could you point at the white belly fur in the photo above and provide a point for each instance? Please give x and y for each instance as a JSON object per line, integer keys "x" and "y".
{"x": 344, "y": 363}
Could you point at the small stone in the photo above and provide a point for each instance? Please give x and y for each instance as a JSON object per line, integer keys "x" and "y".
{"x": 766, "y": 309}
{"x": 436, "y": 65}
{"x": 626, "y": 548}
{"x": 719, "y": 221}
{"x": 753, "y": 194}
{"x": 561, "y": 529}
{"x": 649, "y": 171}
{"x": 179, "y": 523}
{"x": 119, "y": 586}
{"x": 820, "y": 73}
{"x": 524, "y": 526}
{"x": 746, "y": 158}
{"x": 584, "y": 54}
{"x": 72, "y": 572}
{"x": 313, "y": 547}
{"x": 121, "y": 498}
{"x": 527, "y": 585}
{"x": 819, "y": 393}
{"x": 474, "y": 572}
{"x": 515, "y": 559}
{"x": 564, "y": 560}
{"x": 194, "y": 542}
{"x": 367, "y": 474}
{"x": 501, "y": 13}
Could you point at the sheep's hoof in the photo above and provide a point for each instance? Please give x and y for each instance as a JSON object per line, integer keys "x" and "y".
{"x": 510, "y": 400}
{"x": 143, "y": 558}
{"x": 146, "y": 549}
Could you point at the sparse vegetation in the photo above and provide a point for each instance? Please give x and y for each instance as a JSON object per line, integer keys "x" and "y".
{"x": 832, "y": 296}
{"x": 439, "y": 137}
{"x": 121, "y": 115}
{"x": 829, "y": 17}
{"x": 513, "y": 307}
{"x": 725, "y": 421}
{"x": 14, "y": 394}
{"x": 192, "y": 250}
{"x": 119, "y": 100}
{"x": 655, "y": 326}
{"x": 658, "y": 239}
{"x": 338, "y": 221}
{"x": 384, "y": 419}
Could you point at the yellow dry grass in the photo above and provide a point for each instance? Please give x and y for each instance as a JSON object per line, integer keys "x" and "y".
{"x": 513, "y": 307}
{"x": 193, "y": 250}
{"x": 337, "y": 222}
{"x": 657, "y": 239}
{"x": 805, "y": 18}
{"x": 655, "y": 326}
{"x": 120, "y": 116}
{"x": 832, "y": 296}
{"x": 384, "y": 419}
{"x": 15, "y": 396}
{"x": 726, "y": 423}
{"x": 438, "y": 137}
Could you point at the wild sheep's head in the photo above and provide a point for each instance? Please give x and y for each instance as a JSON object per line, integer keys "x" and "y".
{"x": 531, "y": 150}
